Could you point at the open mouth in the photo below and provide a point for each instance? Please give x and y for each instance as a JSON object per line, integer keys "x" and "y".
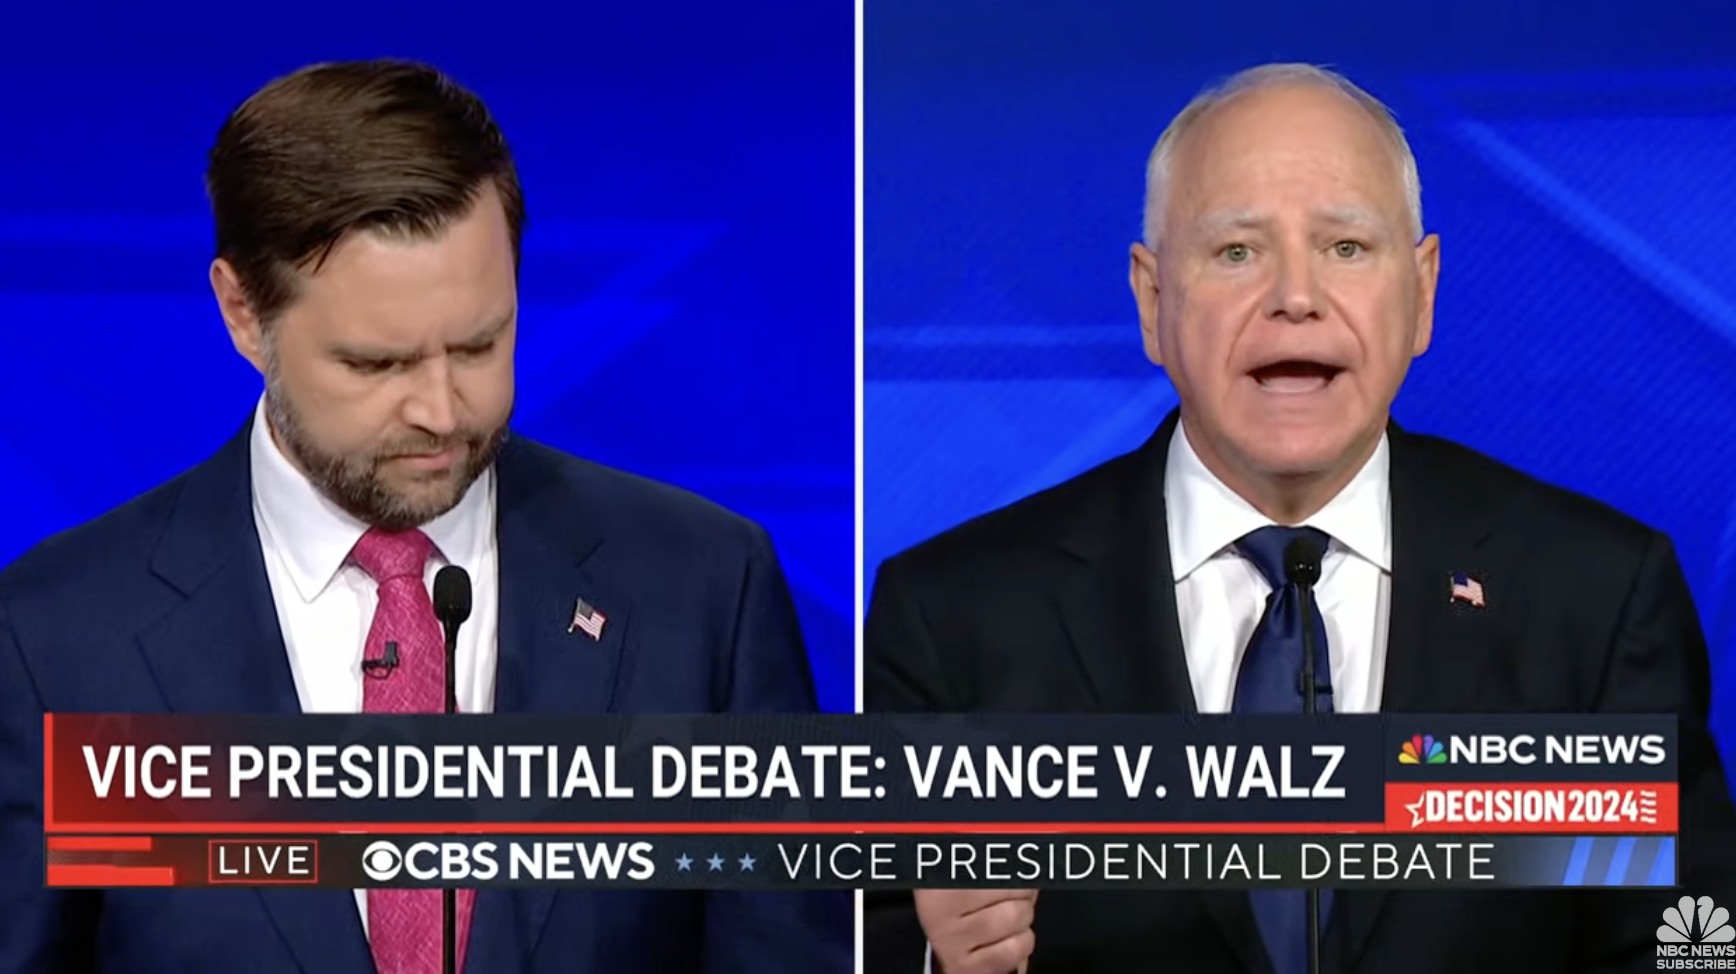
{"x": 1292, "y": 377}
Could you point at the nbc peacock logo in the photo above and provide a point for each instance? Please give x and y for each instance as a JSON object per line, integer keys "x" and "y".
{"x": 1693, "y": 921}
{"x": 1422, "y": 749}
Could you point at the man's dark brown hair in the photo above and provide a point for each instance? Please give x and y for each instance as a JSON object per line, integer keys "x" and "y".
{"x": 390, "y": 146}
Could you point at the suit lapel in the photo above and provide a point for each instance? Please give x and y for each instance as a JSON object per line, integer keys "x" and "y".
{"x": 221, "y": 651}
{"x": 545, "y": 664}
{"x": 1438, "y": 530}
{"x": 1119, "y": 608}
{"x": 1435, "y": 647}
{"x": 1117, "y": 597}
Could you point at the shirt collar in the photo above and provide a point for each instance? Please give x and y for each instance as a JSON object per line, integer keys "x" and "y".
{"x": 1206, "y": 516}
{"x": 316, "y": 536}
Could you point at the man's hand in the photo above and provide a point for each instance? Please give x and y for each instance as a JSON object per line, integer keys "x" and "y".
{"x": 978, "y": 931}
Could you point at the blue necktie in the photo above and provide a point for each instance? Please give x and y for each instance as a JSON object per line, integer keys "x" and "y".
{"x": 1267, "y": 682}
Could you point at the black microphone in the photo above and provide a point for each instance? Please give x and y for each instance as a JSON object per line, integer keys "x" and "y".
{"x": 452, "y": 608}
{"x": 381, "y": 668}
{"x": 1302, "y": 568}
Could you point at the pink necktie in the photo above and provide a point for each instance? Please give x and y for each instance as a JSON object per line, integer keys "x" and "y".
{"x": 404, "y": 924}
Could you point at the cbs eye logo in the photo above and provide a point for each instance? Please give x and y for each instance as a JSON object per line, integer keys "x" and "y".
{"x": 382, "y": 861}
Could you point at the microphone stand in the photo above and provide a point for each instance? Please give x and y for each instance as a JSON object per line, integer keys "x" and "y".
{"x": 452, "y": 597}
{"x": 1305, "y": 596}
{"x": 449, "y": 896}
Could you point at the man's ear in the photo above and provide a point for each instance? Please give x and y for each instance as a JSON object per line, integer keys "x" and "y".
{"x": 245, "y": 332}
{"x": 1428, "y": 258}
{"x": 1142, "y": 277}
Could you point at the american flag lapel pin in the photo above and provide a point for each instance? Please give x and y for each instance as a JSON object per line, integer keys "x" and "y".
{"x": 1467, "y": 589}
{"x": 588, "y": 620}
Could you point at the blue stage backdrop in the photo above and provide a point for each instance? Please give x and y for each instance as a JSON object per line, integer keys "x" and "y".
{"x": 1576, "y": 161}
{"x": 687, "y": 295}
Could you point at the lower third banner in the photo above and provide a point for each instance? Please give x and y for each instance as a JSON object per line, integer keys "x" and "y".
{"x": 798, "y": 861}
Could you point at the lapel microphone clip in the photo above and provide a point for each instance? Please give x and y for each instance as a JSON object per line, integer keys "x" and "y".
{"x": 381, "y": 668}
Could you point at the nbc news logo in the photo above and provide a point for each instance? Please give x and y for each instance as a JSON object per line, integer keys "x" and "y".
{"x": 1696, "y": 936}
{"x": 1422, "y": 749}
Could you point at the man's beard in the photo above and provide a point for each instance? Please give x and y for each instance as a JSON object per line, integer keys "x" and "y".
{"x": 355, "y": 483}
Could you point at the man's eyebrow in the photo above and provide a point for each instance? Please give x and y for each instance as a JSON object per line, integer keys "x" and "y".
{"x": 380, "y": 355}
{"x": 487, "y": 335}
{"x": 375, "y": 354}
{"x": 1221, "y": 220}
{"x": 1349, "y": 216}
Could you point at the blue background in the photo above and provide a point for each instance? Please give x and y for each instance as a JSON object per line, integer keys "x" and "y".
{"x": 1577, "y": 161}
{"x": 688, "y": 285}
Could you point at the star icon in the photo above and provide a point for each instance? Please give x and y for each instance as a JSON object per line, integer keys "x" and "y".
{"x": 1416, "y": 810}
{"x": 746, "y": 862}
{"x": 685, "y": 863}
{"x": 715, "y": 862}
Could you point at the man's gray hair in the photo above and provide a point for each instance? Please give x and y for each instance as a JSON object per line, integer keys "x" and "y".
{"x": 1273, "y": 76}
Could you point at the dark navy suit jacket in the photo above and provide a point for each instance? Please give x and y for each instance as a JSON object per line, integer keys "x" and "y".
{"x": 163, "y": 605}
{"x": 1064, "y": 603}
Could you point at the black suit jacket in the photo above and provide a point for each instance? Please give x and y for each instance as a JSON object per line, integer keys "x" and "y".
{"x": 1064, "y": 602}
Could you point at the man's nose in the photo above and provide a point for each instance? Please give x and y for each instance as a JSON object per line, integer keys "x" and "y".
{"x": 433, "y": 403}
{"x": 1295, "y": 290}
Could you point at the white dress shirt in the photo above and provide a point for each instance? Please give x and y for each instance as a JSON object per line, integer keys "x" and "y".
{"x": 325, "y": 604}
{"x": 1220, "y": 595}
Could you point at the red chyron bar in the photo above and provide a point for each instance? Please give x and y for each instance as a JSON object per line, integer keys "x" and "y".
{"x": 1531, "y": 808}
{"x": 253, "y": 800}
